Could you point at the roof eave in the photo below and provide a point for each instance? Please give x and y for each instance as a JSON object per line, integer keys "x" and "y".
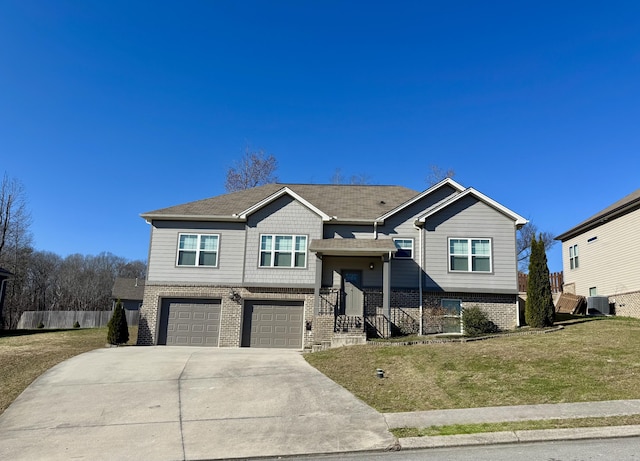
{"x": 599, "y": 220}
{"x": 184, "y": 217}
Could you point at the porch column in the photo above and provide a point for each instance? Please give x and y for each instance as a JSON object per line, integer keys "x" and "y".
{"x": 316, "y": 289}
{"x": 386, "y": 286}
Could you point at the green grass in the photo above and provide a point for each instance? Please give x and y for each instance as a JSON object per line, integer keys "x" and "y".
{"x": 455, "y": 429}
{"x": 591, "y": 359}
{"x": 26, "y": 354}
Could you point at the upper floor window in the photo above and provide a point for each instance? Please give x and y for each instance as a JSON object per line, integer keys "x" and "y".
{"x": 198, "y": 250}
{"x": 405, "y": 248}
{"x": 573, "y": 256}
{"x": 470, "y": 255}
{"x": 283, "y": 251}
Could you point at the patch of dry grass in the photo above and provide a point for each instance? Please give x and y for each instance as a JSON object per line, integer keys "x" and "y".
{"x": 454, "y": 429}
{"x": 590, "y": 360}
{"x": 26, "y": 354}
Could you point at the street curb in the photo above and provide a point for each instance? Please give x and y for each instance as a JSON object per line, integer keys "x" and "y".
{"x": 542, "y": 435}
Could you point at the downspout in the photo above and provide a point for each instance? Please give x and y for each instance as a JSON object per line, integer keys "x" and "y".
{"x": 375, "y": 230}
{"x": 421, "y": 243}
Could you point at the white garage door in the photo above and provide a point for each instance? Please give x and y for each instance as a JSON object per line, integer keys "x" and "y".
{"x": 275, "y": 324}
{"x": 190, "y": 322}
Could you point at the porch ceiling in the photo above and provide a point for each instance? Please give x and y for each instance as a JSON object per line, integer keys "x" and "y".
{"x": 352, "y": 247}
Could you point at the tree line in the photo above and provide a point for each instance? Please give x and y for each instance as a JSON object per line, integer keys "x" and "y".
{"x": 42, "y": 280}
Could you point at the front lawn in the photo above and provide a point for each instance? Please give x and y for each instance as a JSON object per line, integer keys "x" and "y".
{"x": 26, "y": 354}
{"x": 590, "y": 359}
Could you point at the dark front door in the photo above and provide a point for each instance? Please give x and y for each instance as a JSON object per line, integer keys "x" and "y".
{"x": 353, "y": 298}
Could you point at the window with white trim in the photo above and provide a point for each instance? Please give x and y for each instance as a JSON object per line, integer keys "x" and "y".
{"x": 469, "y": 255}
{"x": 283, "y": 251}
{"x": 405, "y": 248}
{"x": 198, "y": 250}
{"x": 573, "y": 256}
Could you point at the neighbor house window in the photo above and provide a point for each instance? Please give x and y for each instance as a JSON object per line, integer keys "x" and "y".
{"x": 405, "y": 248}
{"x": 198, "y": 250}
{"x": 593, "y": 291}
{"x": 573, "y": 256}
{"x": 470, "y": 255}
{"x": 283, "y": 251}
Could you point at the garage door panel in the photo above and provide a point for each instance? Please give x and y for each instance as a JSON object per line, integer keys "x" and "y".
{"x": 190, "y": 323}
{"x": 276, "y": 324}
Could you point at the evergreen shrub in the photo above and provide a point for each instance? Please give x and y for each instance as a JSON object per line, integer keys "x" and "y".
{"x": 475, "y": 322}
{"x": 118, "y": 329}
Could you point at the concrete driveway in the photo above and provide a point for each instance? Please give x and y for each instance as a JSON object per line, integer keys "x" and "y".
{"x": 186, "y": 403}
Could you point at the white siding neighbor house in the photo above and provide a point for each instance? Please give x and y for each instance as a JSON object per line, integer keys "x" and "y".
{"x": 601, "y": 256}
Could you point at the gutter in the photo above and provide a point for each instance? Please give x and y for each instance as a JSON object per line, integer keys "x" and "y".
{"x": 421, "y": 243}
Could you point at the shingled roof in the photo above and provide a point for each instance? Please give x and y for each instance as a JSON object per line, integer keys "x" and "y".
{"x": 345, "y": 202}
{"x": 623, "y": 206}
{"x": 128, "y": 288}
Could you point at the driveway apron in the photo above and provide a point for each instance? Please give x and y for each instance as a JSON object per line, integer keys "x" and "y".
{"x": 186, "y": 403}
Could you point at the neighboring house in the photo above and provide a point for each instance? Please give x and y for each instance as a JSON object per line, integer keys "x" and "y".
{"x": 4, "y": 276}
{"x": 601, "y": 256}
{"x": 130, "y": 291}
{"x": 293, "y": 265}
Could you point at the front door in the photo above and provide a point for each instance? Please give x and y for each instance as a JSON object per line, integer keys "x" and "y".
{"x": 352, "y": 290}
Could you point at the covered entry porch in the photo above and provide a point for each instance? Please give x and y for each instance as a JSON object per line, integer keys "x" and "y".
{"x": 353, "y": 285}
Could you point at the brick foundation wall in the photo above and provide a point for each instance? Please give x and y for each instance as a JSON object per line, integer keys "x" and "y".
{"x": 501, "y": 309}
{"x": 231, "y": 309}
{"x": 323, "y": 326}
{"x": 626, "y": 304}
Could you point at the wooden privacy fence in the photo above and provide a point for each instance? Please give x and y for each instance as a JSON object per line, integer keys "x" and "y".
{"x": 555, "y": 278}
{"x": 66, "y": 319}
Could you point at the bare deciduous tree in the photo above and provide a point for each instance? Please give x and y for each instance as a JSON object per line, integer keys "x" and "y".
{"x": 14, "y": 217}
{"x": 253, "y": 169}
{"x": 437, "y": 174}
{"x": 354, "y": 179}
{"x": 523, "y": 243}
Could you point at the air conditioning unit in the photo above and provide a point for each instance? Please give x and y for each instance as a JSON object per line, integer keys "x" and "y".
{"x": 598, "y": 305}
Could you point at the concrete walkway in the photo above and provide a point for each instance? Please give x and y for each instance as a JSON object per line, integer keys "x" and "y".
{"x": 515, "y": 413}
{"x": 186, "y": 403}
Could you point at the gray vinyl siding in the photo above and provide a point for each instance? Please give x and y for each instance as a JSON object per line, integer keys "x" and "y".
{"x": 405, "y": 273}
{"x": 284, "y": 216}
{"x": 334, "y": 231}
{"x": 164, "y": 247}
{"x": 610, "y": 262}
{"x": 470, "y": 218}
{"x": 332, "y": 267}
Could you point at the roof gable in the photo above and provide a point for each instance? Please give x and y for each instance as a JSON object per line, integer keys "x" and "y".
{"x": 519, "y": 220}
{"x": 445, "y": 182}
{"x": 284, "y": 191}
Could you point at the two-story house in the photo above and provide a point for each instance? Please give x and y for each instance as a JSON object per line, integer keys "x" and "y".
{"x": 294, "y": 265}
{"x": 601, "y": 256}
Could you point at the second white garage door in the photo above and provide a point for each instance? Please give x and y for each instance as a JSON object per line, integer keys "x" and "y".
{"x": 277, "y": 324}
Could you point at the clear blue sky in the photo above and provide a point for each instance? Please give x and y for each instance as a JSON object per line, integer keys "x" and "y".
{"x": 113, "y": 108}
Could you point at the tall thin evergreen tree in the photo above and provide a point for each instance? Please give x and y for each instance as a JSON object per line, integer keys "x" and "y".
{"x": 118, "y": 329}
{"x": 539, "y": 309}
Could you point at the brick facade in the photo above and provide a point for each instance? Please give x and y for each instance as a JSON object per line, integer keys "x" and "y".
{"x": 231, "y": 308}
{"x": 626, "y": 304}
{"x": 500, "y": 308}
